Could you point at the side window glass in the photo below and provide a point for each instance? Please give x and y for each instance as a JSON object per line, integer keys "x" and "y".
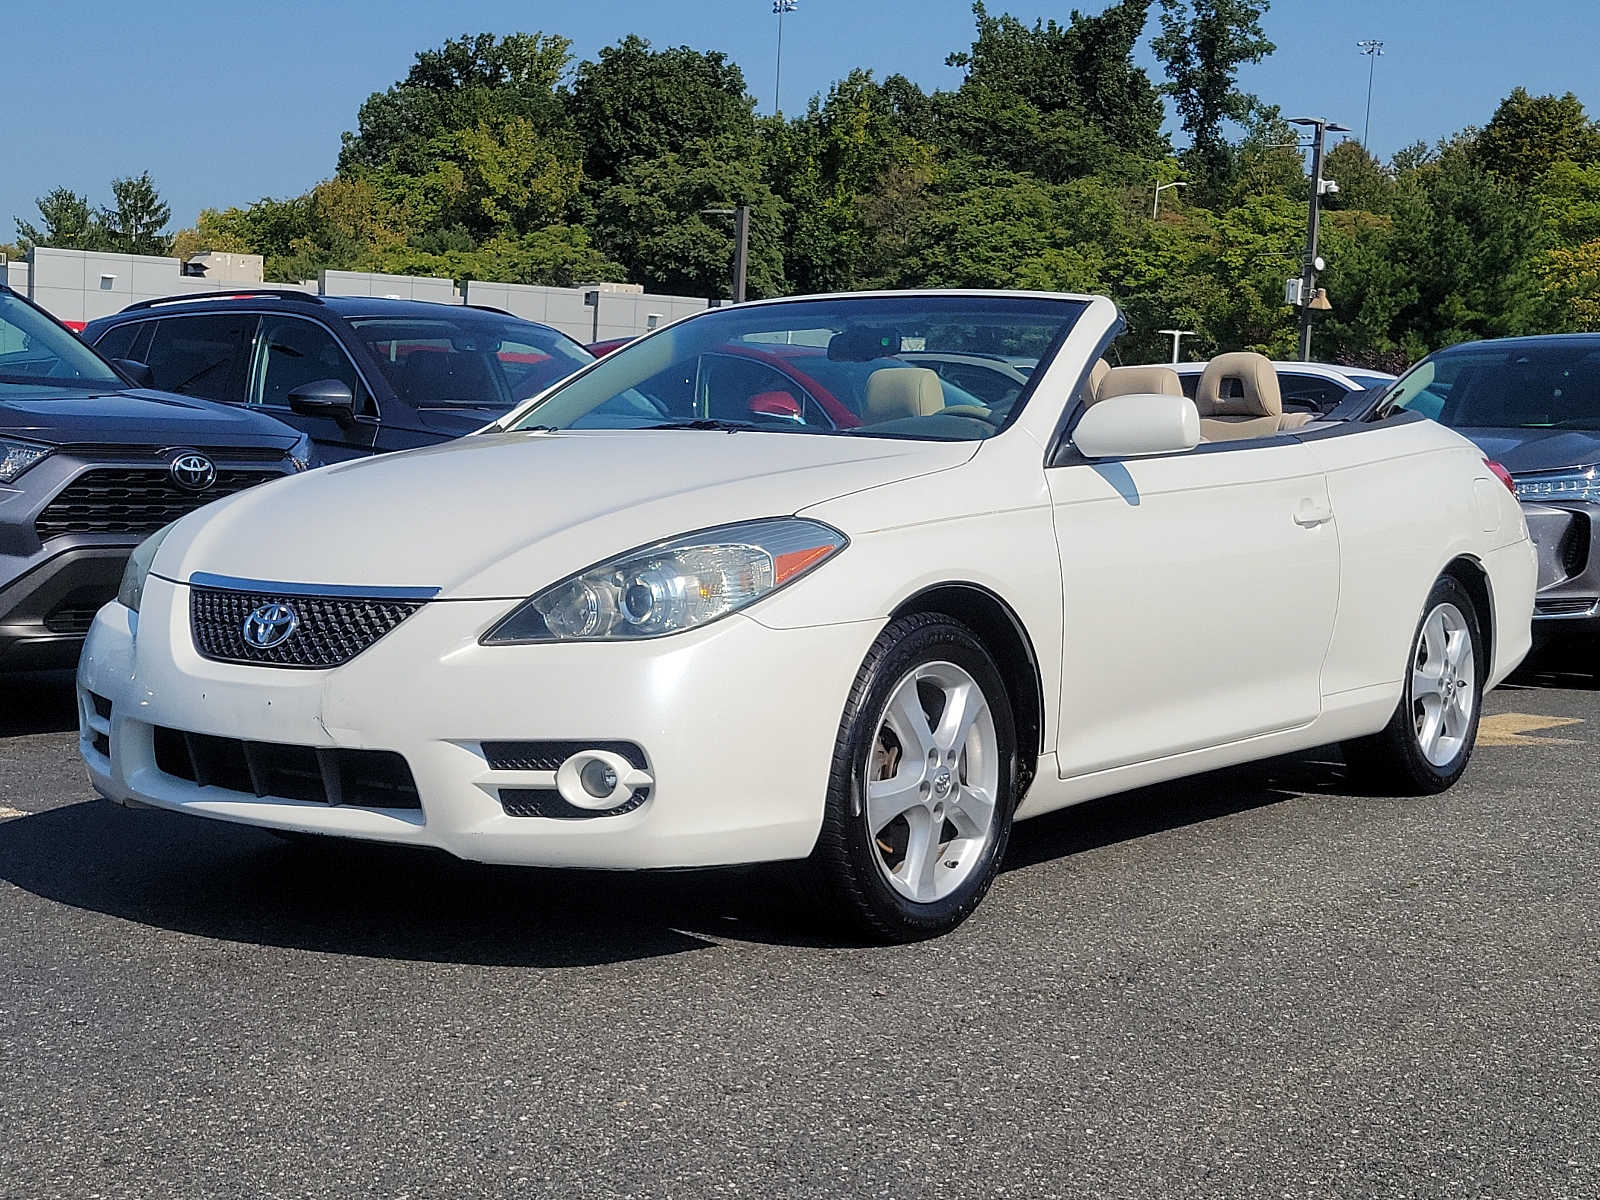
{"x": 291, "y": 352}
{"x": 1190, "y": 383}
{"x": 739, "y": 389}
{"x": 1309, "y": 392}
{"x": 199, "y": 356}
{"x": 118, "y": 340}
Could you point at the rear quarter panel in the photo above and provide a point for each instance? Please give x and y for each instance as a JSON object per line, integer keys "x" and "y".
{"x": 1408, "y": 498}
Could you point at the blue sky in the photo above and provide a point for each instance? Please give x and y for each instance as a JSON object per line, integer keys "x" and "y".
{"x": 224, "y": 102}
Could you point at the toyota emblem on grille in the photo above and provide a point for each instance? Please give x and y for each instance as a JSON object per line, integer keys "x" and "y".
{"x": 270, "y": 626}
{"x": 193, "y": 472}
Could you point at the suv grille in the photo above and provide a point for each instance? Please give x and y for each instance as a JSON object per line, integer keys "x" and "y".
{"x": 269, "y": 770}
{"x": 134, "y": 500}
{"x": 330, "y": 631}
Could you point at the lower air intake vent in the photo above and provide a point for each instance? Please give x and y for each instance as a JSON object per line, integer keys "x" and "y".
{"x": 269, "y": 770}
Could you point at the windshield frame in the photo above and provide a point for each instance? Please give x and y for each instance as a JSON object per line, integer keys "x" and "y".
{"x": 1578, "y": 347}
{"x": 63, "y": 344}
{"x": 1073, "y": 310}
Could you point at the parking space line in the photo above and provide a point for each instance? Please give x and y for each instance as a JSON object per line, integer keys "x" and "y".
{"x": 7, "y": 813}
{"x": 1515, "y": 729}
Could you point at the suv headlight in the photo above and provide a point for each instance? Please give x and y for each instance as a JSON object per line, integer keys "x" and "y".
{"x": 16, "y": 457}
{"x": 131, "y": 590}
{"x": 674, "y": 585}
{"x": 303, "y": 454}
{"x": 1582, "y": 484}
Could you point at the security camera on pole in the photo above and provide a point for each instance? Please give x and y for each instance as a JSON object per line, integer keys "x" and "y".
{"x": 1303, "y": 292}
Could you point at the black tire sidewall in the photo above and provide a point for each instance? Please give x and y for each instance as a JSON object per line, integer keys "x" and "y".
{"x": 903, "y": 645}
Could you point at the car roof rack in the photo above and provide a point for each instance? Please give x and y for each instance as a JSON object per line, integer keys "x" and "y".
{"x": 241, "y": 294}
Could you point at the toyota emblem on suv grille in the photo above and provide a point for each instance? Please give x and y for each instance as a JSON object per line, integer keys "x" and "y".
{"x": 270, "y": 626}
{"x": 193, "y": 472}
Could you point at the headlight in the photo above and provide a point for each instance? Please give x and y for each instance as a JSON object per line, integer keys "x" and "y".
{"x": 137, "y": 571}
{"x": 1581, "y": 484}
{"x": 303, "y": 454}
{"x": 16, "y": 457}
{"x": 673, "y": 586}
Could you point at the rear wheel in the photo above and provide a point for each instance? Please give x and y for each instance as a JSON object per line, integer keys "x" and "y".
{"x": 1429, "y": 740}
{"x": 923, "y": 783}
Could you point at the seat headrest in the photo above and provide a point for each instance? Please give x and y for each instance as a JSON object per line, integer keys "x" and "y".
{"x": 1258, "y": 393}
{"x": 894, "y": 393}
{"x": 1139, "y": 381}
{"x": 1097, "y": 374}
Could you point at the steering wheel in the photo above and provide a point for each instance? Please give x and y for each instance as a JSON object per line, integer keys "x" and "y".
{"x": 977, "y": 411}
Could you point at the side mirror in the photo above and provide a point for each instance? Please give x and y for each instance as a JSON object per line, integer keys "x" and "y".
{"x": 1130, "y": 426}
{"x": 138, "y": 373}
{"x": 329, "y": 398}
{"x": 776, "y": 404}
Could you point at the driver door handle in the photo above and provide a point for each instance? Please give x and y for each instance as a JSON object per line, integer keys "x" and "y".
{"x": 1312, "y": 513}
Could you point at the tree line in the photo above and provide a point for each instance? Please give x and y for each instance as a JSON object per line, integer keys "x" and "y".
{"x": 503, "y": 159}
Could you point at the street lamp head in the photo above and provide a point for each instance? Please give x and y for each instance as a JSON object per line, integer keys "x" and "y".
{"x": 1333, "y": 127}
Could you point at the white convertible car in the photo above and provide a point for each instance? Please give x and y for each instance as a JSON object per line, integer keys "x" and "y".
{"x": 760, "y": 587}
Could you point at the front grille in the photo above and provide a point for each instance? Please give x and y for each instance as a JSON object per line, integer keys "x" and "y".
{"x": 331, "y": 630}
{"x": 548, "y": 756}
{"x": 269, "y": 770}
{"x": 133, "y": 500}
{"x": 70, "y": 618}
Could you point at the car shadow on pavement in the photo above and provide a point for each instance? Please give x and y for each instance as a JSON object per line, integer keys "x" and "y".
{"x": 38, "y": 703}
{"x": 215, "y": 880}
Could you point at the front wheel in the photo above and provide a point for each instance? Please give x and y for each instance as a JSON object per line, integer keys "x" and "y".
{"x": 1427, "y": 743}
{"x": 923, "y": 783}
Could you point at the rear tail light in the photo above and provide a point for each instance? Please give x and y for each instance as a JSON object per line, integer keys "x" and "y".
{"x": 1503, "y": 475}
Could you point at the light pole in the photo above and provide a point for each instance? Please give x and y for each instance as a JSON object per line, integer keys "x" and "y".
{"x": 1320, "y": 127}
{"x": 741, "y": 245}
{"x": 1177, "y": 339}
{"x": 1155, "y": 207}
{"x": 780, "y": 9}
{"x": 1373, "y": 49}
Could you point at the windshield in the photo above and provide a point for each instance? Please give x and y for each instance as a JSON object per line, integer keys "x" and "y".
{"x": 1509, "y": 385}
{"x": 955, "y": 368}
{"x": 469, "y": 362}
{"x": 37, "y": 353}
{"x": 1367, "y": 379}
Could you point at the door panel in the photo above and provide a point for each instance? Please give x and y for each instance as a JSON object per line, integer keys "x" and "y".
{"x": 1200, "y": 594}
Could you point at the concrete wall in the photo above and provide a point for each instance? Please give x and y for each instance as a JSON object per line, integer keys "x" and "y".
{"x": 78, "y": 286}
{"x": 622, "y": 314}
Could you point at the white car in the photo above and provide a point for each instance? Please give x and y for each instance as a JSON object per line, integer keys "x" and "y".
{"x": 620, "y": 630}
{"x": 1309, "y": 387}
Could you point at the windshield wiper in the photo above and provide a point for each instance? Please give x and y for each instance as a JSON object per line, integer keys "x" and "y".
{"x": 705, "y": 423}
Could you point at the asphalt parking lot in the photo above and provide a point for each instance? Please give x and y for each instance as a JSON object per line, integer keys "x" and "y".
{"x": 1253, "y": 984}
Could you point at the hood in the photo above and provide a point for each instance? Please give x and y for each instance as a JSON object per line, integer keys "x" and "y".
{"x": 503, "y": 515}
{"x": 135, "y": 417}
{"x": 1522, "y": 450}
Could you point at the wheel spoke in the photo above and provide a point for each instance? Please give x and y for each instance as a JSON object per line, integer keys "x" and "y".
{"x": 963, "y": 706}
{"x": 888, "y": 798}
{"x": 909, "y": 722}
{"x": 922, "y": 855}
{"x": 1428, "y": 731}
{"x": 971, "y": 812}
{"x": 1426, "y": 680}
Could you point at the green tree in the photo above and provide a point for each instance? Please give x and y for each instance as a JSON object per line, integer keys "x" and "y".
{"x": 637, "y": 104}
{"x": 1202, "y": 45}
{"x": 137, "y": 215}
{"x": 67, "y": 222}
{"x": 1529, "y": 134}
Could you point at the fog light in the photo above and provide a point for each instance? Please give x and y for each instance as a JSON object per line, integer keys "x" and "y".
{"x": 600, "y": 780}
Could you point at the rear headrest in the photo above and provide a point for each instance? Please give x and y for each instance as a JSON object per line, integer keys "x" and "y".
{"x": 894, "y": 393}
{"x": 1139, "y": 381}
{"x": 1258, "y": 394}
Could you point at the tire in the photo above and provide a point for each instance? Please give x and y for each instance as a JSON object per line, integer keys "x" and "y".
{"x": 1429, "y": 739}
{"x": 928, "y": 865}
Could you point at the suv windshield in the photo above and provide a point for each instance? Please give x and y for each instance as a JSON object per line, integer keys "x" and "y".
{"x": 471, "y": 362}
{"x": 1508, "y": 385}
{"x": 882, "y": 366}
{"x": 37, "y": 353}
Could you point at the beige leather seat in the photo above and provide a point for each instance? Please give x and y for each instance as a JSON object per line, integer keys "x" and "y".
{"x": 1097, "y": 373}
{"x": 1238, "y": 397}
{"x": 894, "y": 393}
{"x": 1138, "y": 381}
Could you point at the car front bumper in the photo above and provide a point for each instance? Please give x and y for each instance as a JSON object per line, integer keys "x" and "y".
{"x": 1568, "y": 539}
{"x": 737, "y": 722}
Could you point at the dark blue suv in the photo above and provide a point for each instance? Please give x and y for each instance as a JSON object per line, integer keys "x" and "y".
{"x": 359, "y": 374}
{"x": 90, "y": 465}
